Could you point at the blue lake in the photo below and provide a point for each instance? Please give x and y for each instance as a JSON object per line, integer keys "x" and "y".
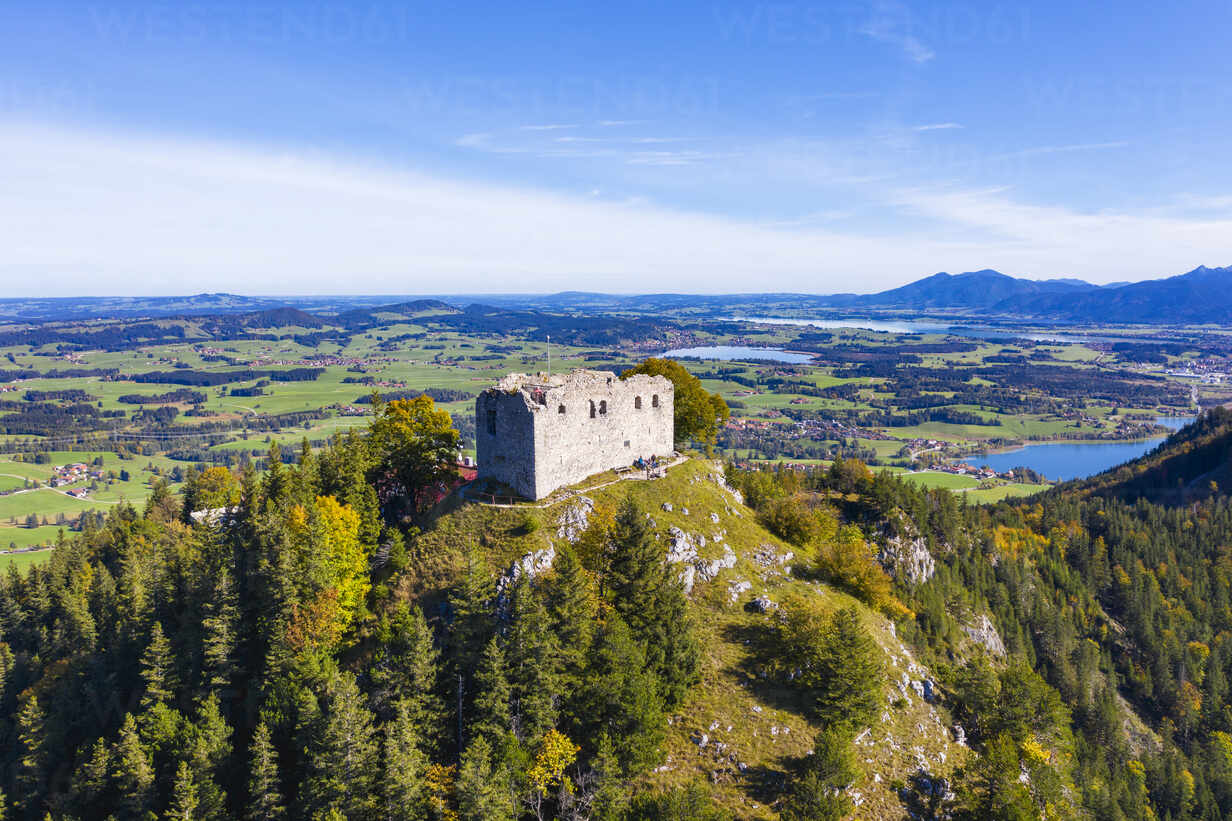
{"x": 727, "y": 353}
{"x": 1062, "y": 461}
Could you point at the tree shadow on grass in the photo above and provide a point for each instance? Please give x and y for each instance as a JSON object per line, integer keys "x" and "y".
{"x": 758, "y": 669}
{"x": 758, "y": 672}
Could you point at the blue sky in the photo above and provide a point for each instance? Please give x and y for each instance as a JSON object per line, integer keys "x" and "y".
{"x": 704, "y": 147}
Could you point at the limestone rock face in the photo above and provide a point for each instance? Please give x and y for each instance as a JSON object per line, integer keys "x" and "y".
{"x": 907, "y": 559}
{"x": 708, "y": 570}
{"x": 719, "y": 479}
{"x": 574, "y": 519}
{"x": 530, "y": 566}
{"x": 683, "y": 548}
{"x": 687, "y": 577}
{"x": 984, "y": 633}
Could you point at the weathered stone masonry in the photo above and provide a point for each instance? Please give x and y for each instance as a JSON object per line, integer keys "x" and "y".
{"x": 536, "y": 433}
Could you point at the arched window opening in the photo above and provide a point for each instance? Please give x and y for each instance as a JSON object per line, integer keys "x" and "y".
{"x": 654, "y": 401}
{"x": 637, "y": 402}
{"x": 602, "y": 407}
{"x": 560, "y": 409}
{"x": 592, "y": 409}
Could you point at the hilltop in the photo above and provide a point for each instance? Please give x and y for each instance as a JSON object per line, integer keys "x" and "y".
{"x": 739, "y": 727}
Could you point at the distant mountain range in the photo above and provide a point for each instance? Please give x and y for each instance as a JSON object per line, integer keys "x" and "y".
{"x": 985, "y": 289}
{"x": 1201, "y": 296}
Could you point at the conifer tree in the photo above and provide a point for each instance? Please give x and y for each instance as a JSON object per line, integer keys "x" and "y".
{"x": 220, "y": 624}
{"x": 90, "y": 780}
{"x": 276, "y": 478}
{"x": 573, "y": 607}
{"x": 993, "y": 789}
{"x": 183, "y": 806}
{"x": 620, "y": 697}
{"x": 490, "y": 716}
{"x": 157, "y": 669}
{"x": 308, "y": 474}
{"x": 635, "y": 568}
{"x": 610, "y": 796}
{"x": 264, "y": 796}
{"x": 472, "y": 625}
{"x": 850, "y": 672}
{"x": 32, "y": 755}
{"x": 133, "y": 774}
{"x": 342, "y": 759}
{"x": 403, "y": 789}
{"x": 210, "y": 750}
{"x": 473, "y": 620}
{"x": 483, "y": 789}
{"x": 405, "y": 667}
{"x": 652, "y": 605}
{"x": 533, "y": 659}
{"x": 818, "y": 791}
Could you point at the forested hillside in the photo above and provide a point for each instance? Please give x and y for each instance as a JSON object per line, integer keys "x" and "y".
{"x": 331, "y": 640}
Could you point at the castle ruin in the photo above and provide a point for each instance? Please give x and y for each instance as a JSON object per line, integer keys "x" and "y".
{"x": 536, "y": 433}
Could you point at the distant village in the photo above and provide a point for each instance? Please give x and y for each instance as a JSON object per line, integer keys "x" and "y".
{"x": 72, "y": 474}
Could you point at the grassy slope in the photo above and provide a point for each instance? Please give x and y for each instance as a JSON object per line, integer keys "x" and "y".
{"x": 761, "y": 724}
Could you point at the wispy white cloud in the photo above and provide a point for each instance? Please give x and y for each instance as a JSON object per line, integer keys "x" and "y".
{"x": 936, "y": 127}
{"x": 123, "y": 214}
{"x": 548, "y": 127}
{"x": 116, "y": 214}
{"x": 1102, "y": 245}
{"x": 891, "y": 23}
{"x": 1060, "y": 149}
{"x": 628, "y": 150}
{"x": 621, "y": 123}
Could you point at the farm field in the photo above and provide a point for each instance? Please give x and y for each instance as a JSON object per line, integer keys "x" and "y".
{"x": 12, "y": 538}
{"x": 21, "y": 561}
{"x": 151, "y": 409}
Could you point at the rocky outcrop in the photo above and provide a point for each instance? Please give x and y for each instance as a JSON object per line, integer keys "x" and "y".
{"x": 984, "y": 633}
{"x": 708, "y": 570}
{"x": 531, "y": 565}
{"x": 682, "y": 547}
{"x": 720, "y": 480}
{"x": 767, "y": 557}
{"x": 907, "y": 559}
{"x": 737, "y": 589}
{"x": 761, "y": 604}
{"x": 574, "y": 519}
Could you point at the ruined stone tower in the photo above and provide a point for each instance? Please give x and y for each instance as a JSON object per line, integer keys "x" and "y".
{"x": 536, "y": 433}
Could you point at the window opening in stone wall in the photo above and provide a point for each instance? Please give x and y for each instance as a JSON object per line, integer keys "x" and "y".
{"x": 603, "y": 407}
{"x": 592, "y": 409}
{"x": 492, "y": 422}
{"x": 560, "y": 409}
{"x": 654, "y": 401}
{"x": 637, "y": 402}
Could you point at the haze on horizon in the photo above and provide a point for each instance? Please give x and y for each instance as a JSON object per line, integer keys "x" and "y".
{"x": 149, "y": 149}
